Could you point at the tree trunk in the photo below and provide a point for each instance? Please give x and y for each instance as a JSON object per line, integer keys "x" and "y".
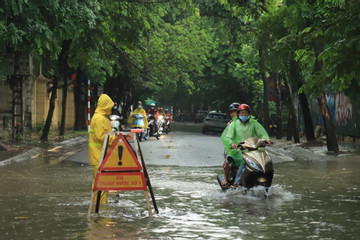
{"x": 266, "y": 100}
{"x": 265, "y": 80}
{"x": 63, "y": 108}
{"x": 309, "y": 127}
{"x": 80, "y": 103}
{"x": 126, "y": 102}
{"x": 46, "y": 129}
{"x": 64, "y": 72}
{"x": 331, "y": 141}
{"x": 292, "y": 111}
{"x": 289, "y": 125}
{"x": 278, "y": 107}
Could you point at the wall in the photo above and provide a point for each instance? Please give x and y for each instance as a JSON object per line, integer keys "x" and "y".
{"x": 41, "y": 105}
{"x": 36, "y": 104}
{"x": 343, "y": 111}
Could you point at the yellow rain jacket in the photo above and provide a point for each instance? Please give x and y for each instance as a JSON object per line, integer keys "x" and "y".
{"x": 99, "y": 126}
{"x": 138, "y": 111}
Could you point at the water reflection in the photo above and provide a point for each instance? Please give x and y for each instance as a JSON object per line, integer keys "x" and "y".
{"x": 101, "y": 227}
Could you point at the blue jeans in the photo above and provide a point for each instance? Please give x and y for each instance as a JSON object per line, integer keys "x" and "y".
{"x": 240, "y": 171}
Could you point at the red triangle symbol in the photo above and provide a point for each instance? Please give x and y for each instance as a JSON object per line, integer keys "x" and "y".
{"x": 120, "y": 157}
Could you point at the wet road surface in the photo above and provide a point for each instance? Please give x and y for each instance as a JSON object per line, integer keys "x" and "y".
{"x": 48, "y": 198}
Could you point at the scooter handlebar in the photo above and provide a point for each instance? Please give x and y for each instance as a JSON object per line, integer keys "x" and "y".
{"x": 260, "y": 143}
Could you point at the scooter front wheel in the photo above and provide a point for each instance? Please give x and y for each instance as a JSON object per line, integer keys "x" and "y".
{"x": 266, "y": 186}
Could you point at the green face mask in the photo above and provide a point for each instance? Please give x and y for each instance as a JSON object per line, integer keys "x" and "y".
{"x": 139, "y": 106}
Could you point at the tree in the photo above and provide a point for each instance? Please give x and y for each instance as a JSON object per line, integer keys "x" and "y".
{"x": 313, "y": 38}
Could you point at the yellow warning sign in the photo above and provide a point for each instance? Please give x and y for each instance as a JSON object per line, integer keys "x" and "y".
{"x": 120, "y": 157}
{"x": 105, "y": 181}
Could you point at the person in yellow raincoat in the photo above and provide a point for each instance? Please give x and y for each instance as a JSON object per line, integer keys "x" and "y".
{"x": 99, "y": 126}
{"x": 135, "y": 120}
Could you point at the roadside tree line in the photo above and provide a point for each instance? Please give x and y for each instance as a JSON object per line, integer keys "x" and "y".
{"x": 200, "y": 53}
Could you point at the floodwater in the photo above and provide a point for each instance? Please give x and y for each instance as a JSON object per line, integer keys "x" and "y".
{"x": 48, "y": 199}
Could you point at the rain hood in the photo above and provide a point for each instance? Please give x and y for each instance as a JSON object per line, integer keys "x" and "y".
{"x": 104, "y": 105}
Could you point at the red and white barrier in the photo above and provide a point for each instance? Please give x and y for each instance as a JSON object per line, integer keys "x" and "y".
{"x": 88, "y": 105}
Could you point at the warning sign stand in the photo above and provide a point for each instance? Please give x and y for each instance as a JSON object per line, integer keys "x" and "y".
{"x": 120, "y": 169}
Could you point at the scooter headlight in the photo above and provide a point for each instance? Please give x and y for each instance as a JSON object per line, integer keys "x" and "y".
{"x": 114, "y": 117}
{"x": 253, "y": 165}
{"x": 161, "y": 117}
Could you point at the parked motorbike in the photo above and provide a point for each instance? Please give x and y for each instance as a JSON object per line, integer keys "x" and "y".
{"x": 258, "y": 166}
{"x": 167, "y": 125}
{"x": 115, "y": 121}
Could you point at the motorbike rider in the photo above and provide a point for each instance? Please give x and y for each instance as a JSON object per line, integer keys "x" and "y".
{"x": 141, "y": 111}
{"x": 238, "y": 131}
{"x": 233, "y": 117}
{"x": 116, "y": 118}
{"x": 161, "y": 111}
{"x": 167, "y": 114}
{"x": 115, "y": 110}
{"x": 155, "y": 113}
{"x": 152, "y": 110}
{"x": 233, "y": 112}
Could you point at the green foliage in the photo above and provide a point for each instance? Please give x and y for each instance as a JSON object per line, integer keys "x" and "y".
{"x": 174, "y": 54}
{"x": 190, "y": 52}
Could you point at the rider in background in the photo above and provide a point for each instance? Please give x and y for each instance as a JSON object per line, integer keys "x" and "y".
{"x": 152, "y": 110}
{"x": 155, "y": 113}
{"x": 167, "y": 114}
{"x": 233, "y": 117}
{"x": 141, "y": 111}
{"x": 161, "y": 111}
{"x": 244, "y": 127}
{"x": 115, "y": 110}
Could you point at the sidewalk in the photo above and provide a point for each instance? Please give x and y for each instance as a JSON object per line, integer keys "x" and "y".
{"x": 283, "y": 150}
{"x": 16, "y": 152}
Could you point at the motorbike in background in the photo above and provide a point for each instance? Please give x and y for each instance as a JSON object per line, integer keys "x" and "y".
{"x": 153, "y": 129}
{"x": 138, "y": 122}
{"x": 115, "y": 121}
{"x": 167, "y": 125}
{"x": 259, "y": 169}
{"x": 160, "y": 124}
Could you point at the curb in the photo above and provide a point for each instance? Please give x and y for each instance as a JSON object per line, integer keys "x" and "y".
{"x": 279, "y": 155}
{"x": 284, "y": 151}
{"x": 22, "y": 156}
{"x": 72, "y": 141}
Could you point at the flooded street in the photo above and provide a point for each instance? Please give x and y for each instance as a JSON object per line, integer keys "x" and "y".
{"x": 48, "y": 199}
